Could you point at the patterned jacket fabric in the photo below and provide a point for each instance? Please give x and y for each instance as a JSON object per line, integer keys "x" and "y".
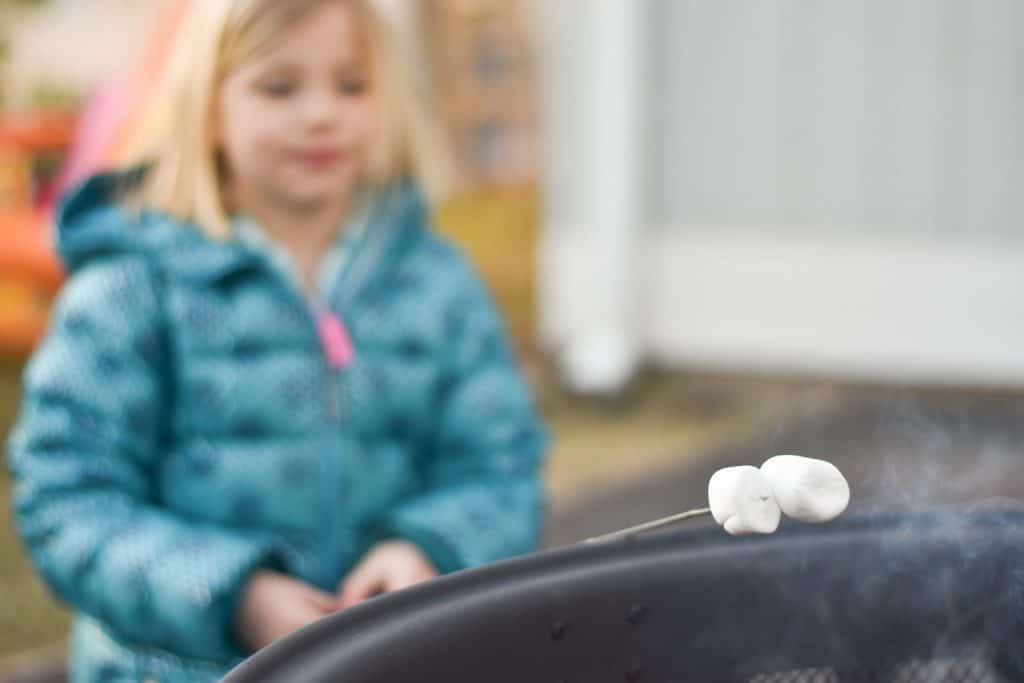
{"x": 180, "y": 428}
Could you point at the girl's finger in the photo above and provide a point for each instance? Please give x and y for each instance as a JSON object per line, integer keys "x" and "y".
{"x": 324, "y": 602}
{"x": 360, "y": 586}
{"x": 406, "y": 578}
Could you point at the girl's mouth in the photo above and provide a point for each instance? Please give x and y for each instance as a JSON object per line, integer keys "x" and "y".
{"x": 319, "y": 158}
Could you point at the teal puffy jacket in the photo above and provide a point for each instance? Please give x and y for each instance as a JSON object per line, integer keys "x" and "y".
{"x": 180, "y": 428}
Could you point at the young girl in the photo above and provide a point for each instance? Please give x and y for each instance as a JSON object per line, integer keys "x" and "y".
{"x": 269, "y": 391}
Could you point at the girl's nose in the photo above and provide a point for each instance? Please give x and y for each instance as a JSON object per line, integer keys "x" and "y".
{"x": 320, "y": 109}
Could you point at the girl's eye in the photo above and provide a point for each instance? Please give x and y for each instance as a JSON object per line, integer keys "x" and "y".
{"x": 352, "y": 87}
{"x": 278, "y": 89}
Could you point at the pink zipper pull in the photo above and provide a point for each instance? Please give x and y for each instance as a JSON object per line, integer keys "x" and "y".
{"x": 336, "y": 341}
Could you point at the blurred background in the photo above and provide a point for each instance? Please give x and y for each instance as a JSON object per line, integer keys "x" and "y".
{"x": 718, "y": 229}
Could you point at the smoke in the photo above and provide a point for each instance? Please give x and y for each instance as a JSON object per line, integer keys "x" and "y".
{"x": 933, "y": 590}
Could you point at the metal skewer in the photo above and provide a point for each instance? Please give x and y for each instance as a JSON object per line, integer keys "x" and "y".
{"x": 648, "y": 526}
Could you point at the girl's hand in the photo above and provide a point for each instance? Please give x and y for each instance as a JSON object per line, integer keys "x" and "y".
{"x": 389, "y": 566}
{"x": 274, "y": 605}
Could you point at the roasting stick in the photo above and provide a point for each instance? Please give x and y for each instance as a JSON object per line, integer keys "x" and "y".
{"x": 650, "y": 526}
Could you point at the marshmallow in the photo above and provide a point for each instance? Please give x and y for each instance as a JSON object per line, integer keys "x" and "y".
{"x": 741, "y": 500}
{"x": 807, "y": 489}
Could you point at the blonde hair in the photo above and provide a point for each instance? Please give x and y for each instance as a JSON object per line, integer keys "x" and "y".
{"x": 186, "y": 176}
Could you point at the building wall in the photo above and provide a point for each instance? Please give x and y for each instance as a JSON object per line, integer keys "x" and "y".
{"x": 821, "y": 187}
{"x": 893, "y": 119}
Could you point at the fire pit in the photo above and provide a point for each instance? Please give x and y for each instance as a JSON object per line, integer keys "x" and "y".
{"x": 932, "y": 597}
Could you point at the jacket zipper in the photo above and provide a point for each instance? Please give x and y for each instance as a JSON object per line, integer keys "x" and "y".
{"x": 332, "y": 477}
{"x": 334, "y": 482}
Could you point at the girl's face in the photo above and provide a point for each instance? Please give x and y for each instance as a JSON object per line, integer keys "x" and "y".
{"x": 295, "y": 123}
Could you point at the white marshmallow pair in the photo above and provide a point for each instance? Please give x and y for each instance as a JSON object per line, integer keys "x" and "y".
{"x": 747, "y": 500}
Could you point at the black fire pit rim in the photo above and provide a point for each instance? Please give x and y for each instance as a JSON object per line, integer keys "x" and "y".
{"x": 556, "y": 566}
